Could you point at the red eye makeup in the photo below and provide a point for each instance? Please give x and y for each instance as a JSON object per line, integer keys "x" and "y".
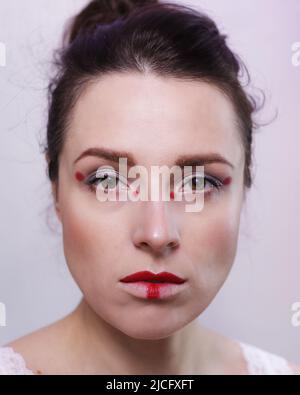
{"x": 227, "y": 181}
{"x": 79, "y": 176}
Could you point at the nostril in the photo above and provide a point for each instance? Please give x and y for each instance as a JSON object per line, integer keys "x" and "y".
{"x": 173, "y": 244}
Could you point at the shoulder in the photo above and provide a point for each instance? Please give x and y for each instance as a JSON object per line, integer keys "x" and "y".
{"x": 295, "y": 368}
{"x": 226, "y": 357}
{"x": 232, "y": 356}
{"x": 41, "y": 350}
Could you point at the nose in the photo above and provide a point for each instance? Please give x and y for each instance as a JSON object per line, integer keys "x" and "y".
{"x": 155, "y": 231}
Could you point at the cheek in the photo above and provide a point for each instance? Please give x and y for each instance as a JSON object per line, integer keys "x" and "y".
{"x": 221, "y": 241}
{"x": 220, "y": 229}
{"x": 90, "y": 244}
{"x": 212, "y": 248}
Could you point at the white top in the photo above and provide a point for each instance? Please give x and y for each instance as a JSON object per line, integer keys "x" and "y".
{"x": 259, "y": 362}
{"x": 12, "y": 363}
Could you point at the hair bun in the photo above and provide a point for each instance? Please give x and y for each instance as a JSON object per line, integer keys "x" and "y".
{"x": 101, "y": 12}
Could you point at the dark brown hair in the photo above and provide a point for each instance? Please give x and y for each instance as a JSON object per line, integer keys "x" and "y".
{"x": 166, "y": 39}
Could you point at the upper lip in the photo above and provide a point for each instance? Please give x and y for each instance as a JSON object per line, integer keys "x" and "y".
{"x": 165, "y": 277}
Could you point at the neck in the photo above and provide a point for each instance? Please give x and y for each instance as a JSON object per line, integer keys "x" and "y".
{"x": 105, "y": 349}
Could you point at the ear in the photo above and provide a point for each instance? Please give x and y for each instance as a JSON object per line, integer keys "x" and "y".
{"x": 54, "y": 187}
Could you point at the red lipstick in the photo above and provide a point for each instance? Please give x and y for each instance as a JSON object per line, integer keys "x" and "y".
{"x": 152, "y": 286}
{"x": 163, "y": 277}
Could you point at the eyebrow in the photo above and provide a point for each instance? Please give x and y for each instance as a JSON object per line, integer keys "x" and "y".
{"x": 182, "y": 161}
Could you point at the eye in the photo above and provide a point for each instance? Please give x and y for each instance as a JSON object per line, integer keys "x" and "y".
{"x": 199, "y": 184}
{"x": 108, "y": 180}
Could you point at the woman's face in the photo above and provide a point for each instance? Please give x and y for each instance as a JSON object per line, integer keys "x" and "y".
{"x": 156, "y": 120}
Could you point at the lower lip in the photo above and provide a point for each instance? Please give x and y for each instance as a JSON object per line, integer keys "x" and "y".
{"x": 147, "y": 290}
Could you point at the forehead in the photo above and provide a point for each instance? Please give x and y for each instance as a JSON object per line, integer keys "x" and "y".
{"x": 155, "y": 118}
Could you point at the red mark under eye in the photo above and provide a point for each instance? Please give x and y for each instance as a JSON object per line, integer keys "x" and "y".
{"x": 136, "y": 192}
{"x": 79, "y": 176}
{"x": 227, "y": 181}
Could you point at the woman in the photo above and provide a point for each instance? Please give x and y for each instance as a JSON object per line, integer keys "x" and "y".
{"x": 154, "y": 83}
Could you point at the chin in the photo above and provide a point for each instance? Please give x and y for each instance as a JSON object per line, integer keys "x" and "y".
{"x": 149, "y": 332}
{"x": 141, "y": 327}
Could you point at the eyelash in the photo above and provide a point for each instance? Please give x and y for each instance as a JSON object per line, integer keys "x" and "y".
{"x": 92, "y": 180}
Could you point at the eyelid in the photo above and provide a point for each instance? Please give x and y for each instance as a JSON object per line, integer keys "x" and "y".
{"x": 202, "y": 175}
{"x": 97, "y": 175}
{"x": 214, "y": 181}
{"x": 192, "y": 176}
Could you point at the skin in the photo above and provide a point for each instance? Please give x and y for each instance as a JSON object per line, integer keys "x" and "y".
{"x": 155, "y": 119}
